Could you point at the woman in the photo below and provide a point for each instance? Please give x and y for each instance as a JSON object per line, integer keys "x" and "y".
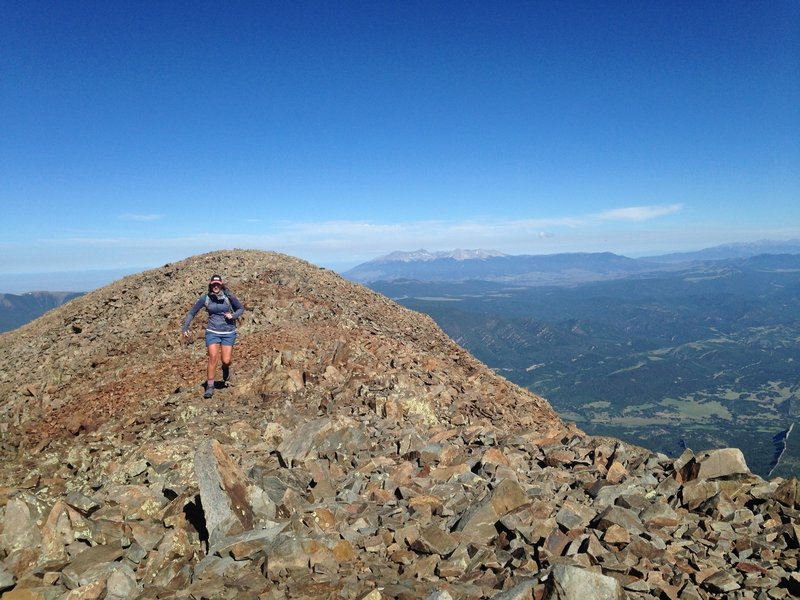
{"x": 223, "y": 310}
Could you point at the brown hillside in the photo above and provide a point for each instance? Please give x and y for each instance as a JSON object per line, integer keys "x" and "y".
{"x": 308, "y": 337}
{"x": 362, "y": 455}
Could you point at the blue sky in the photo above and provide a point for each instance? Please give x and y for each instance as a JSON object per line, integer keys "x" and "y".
{"x": 138, "y": 133}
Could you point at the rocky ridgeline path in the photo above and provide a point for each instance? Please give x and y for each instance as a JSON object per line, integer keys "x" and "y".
{"x": 361, "y": 455}
{"x": 307, "y": 333}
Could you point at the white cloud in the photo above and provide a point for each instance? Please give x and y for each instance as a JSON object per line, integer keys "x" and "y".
{"x": 638, "y": 213}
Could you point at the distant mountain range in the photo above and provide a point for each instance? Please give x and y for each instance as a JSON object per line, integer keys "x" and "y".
{"x": 547, "y": 269}
{"x": 523, "y": 269}
{"x": 424, "y": 255}
{"x": 739, "y": 250}
{"x": 16, "y": 310}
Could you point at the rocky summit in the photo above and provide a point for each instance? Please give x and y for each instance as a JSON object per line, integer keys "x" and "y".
{"x": 361, "y": 455}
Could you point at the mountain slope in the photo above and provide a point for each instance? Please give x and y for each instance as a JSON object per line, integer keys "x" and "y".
{"x": 362, "y": 455}
{"x": 307, "y": 336}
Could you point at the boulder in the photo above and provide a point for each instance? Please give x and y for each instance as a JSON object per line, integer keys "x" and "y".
{"x": 722, "y": 463}
{"x": 574, "y": 583}
{"x": 223, "y": 492}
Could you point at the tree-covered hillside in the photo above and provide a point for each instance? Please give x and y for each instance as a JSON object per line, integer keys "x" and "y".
{"x": 16, "y": 310}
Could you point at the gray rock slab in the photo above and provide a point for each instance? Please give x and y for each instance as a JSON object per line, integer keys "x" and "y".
{"x": 303, "y": 444}
{"x": 721, "y": 582}
{"x": 223, "y": 492}
{"x": 7, "y": 579}
{"x": 521, "y": 591}
{"x": 725, "y": 462}
{"x": 574, "y": 583}
{"x": 19, "y": 527}
{"x": 478, "y": 522}
{"x": 508, "y": 495}
{"x": 616, "y": 515}
{"x": 433, "y": 540}
{"x": 82, "y": 569}
{"x": 122, "y": 584}
{"x": 266, "y": 536}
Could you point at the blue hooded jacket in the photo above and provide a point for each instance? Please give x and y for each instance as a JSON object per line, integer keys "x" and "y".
{"x": 217, "y": 306}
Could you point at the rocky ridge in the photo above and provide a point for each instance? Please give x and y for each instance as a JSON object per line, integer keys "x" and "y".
{"x": 361, "y": 454}
{"x": 307, "y": 335}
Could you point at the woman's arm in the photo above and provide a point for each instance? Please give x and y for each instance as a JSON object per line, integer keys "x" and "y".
{"x": 238, "y": 307}
{"x": 192, "y": 312}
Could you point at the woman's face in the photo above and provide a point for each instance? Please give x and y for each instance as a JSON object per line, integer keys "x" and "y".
{"x": 215, "y": 288}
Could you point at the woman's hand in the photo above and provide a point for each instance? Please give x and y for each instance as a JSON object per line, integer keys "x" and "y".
{"x": 229, "y": 315}
{"x": 186, "y": 334}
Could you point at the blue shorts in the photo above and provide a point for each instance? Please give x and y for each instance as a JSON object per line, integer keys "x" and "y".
{"x": 226, "y": 339}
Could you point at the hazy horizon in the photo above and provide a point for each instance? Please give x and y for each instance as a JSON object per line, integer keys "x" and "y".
{"x": 89, "y": 279}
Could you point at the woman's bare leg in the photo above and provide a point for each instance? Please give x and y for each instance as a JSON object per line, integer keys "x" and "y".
{"x": 213, "y": 355}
